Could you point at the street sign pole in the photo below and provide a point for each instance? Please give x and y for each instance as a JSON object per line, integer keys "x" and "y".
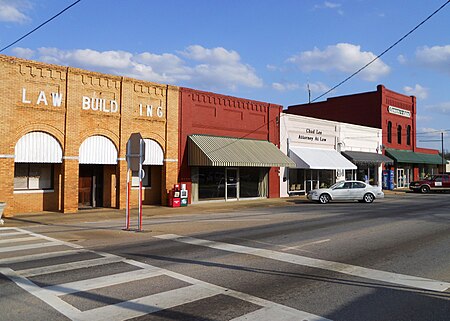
{"x": 135, "y": 160}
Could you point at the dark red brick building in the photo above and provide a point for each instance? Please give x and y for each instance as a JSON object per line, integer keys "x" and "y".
{"x": 228, "y": 147}
{"x": 395, "y": 114}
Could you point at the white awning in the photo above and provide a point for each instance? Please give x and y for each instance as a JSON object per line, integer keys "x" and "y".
{"x": 38, "y": 147}
{"x": 154, "y": 154}
{"x": 98, "y": 150}
{"x": 314, "y": 158}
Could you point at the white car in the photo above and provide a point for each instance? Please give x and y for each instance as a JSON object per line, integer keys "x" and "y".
{"x": 346, "y": 190}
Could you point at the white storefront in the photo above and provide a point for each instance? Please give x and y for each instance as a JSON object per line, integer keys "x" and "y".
{"x": 315, "y": 145}
{"x": 362, "y": 146}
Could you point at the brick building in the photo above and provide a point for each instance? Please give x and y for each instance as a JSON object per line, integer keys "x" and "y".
{"x": 229, "y": 147}
{"x": 395, "y": 114}
{"x": 64, "y": 137}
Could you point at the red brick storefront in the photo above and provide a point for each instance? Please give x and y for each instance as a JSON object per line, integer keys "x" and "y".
{"x": 210, "y": 114}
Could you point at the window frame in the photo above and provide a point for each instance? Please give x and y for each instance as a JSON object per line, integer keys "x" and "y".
{"x": 408, "y": 135}
{"x": 30, "y": 169}
{"x": 389, "y": 132}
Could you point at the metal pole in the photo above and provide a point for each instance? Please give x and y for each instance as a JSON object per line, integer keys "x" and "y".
{"x": 141, "y": 156}
{"x": 127, "y": 210}
{"x": 442, "y": 146}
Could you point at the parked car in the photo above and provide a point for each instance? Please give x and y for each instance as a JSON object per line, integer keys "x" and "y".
{"x": 439, "y": 182}
{"x": 346, "y": 190}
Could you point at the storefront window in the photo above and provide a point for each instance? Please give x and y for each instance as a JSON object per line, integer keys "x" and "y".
{"x": 326, "y": 178}
{"x": 211, "y": 183}
{"x": 408, "y": 135}
{"x": 33, "y": 176}
{"x": 252, "y": 182}
{"x": 296, "y": 180}
{"x": 389, "y": 132}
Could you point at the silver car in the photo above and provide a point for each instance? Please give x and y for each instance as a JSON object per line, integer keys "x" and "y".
{"x": 346, "y": 190}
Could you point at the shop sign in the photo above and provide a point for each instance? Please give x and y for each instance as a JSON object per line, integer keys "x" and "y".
{"x": 147, "y": 110}
{"x": 99, "y": 104}
{"x": 312, "y": 135}
{"x": 42, "y": 98}
{"x": 399, "y": 111}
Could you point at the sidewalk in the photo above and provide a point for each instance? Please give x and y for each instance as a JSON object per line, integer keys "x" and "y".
{"x": 105, "y": 214}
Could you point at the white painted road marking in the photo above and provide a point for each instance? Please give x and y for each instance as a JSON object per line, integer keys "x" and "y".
{"x": 401, "y": 279}
{"x": 197, "y": 289}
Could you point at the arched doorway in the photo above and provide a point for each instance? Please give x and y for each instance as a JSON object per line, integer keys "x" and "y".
{"x": 97, "y": 178}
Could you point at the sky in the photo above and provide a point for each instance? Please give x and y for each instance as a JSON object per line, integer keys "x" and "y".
{"x": 265, "y": 50}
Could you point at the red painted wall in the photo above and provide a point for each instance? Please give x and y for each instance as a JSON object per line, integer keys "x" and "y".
{"x": 219, "y": 115}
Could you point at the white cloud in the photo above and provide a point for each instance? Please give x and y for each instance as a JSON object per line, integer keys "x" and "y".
{"x": 418, "y": 91}
{"x": 330, "y": 5}
{"x": 436, "y": 57}
{"x": 342, "y": 57}
{"x": 424, "y": 118}
{"x": 443, "y": 107}
{"x": 14, "y": 11}
{"x": 317, "y": 87}
{"x": 208, "y": 69}
{"x": 23, "y": 52}
{"x": 285, "y": 86}
{"x": 402, "y": 59}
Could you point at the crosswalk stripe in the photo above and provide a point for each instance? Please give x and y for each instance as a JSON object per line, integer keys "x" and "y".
{"x": 28, "y": 246}
{"x": 69, "y": 266}
{"x": 17, "y": 240}
{"x": 148, "y": 304}
{"x": 55, "y": 302}
{"x": 401, "y": 279}
{"x": 39, "y": 256}
{"x": 198, "y": 289}
{"x": 103, "y": 281}
{"x": 270, "y": 313}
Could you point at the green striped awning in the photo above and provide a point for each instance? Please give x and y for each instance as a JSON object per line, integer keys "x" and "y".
{"x": 228, "y": 151}
{"x": 408, "y": 156}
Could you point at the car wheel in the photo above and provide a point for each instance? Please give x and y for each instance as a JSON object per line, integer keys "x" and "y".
{"x": 368, "y": 198}
{"x": 324, "y": 198}
{"x": 424, "y": 189}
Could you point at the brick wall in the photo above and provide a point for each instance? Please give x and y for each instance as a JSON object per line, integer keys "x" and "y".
{"x": 124, "y": 106}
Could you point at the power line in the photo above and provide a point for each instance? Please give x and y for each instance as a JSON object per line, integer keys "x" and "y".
{"x": 41, "y": 25}
{"x": 379, "y": 56}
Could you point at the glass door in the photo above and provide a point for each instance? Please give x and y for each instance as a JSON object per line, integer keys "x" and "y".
{"x": 232, "y": 184}
{"x": 401, "y": 178}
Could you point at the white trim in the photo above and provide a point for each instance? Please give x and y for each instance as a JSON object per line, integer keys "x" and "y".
{"x": 170, "y": 160}
{"x": 121, "y": 159}
{"x": 6, "y": 156}
{"x": 34, "y": 191}
{"x": 71, "y": 157}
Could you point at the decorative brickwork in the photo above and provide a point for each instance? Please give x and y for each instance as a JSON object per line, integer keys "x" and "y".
{"x": 72, "y": 105}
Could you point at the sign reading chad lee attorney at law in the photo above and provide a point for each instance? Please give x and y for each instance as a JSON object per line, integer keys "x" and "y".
{"x": 313, "y": 135}
{"x": 87, "y": 103}
{"x": 399, "y": 111}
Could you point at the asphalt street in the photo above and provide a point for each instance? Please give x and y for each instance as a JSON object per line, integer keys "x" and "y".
{"x": 291, "y": 260}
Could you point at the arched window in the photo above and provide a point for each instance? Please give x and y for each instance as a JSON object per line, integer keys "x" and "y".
{"x": 389, "y": 132}
{"x": 399, "y": 134}
{"x": 408, "y": 135}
